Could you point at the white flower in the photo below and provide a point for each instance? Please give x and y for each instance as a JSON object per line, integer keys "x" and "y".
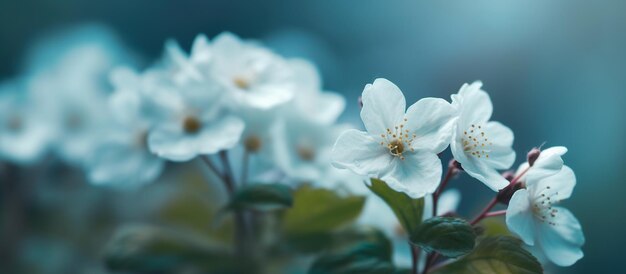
{"x": 533, "y": 215}
{"x": 399, "y": 148}
{"x": 481, "y": 146}
{"x": 24, "y": 135}
{"x": 548, "y": 163}
{"x": 251, "y": 75}
{"x": 78, "y": 116}
{"x": 122, "y": 157}
{"x": 194, "y": 122}
{"x": 303, "y": 147}
{"x": 68, "y": 81}
{"x": 310, "y": 101}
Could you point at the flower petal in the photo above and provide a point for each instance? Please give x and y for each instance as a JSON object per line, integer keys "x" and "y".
{"x": 561, "y": 185}
{"x": 432, "y": 120}
{"x": 484, "y": 173}
{"x": 501, "y": 154}
{"x": 170, "y": 142}
{"x": 519, "y": 217}
{"x": 473, "y": 103}
{"x": 220, "y": 135}
{"x": 358, "y": 151}
{"x": 383, "y": 106}
{"x": 561, "y": 242}
{"x": 548, "y": 163}
{"x": 448, "y": 201}
{"x": 417, "y": 175}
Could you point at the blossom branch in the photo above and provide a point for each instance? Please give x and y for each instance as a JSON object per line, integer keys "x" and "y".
{"x": 449, "y": 174}
{"x": 485, "y": 211}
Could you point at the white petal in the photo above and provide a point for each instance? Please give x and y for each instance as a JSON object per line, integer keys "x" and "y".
{"x": 330, "y": 106}
{"x": 501, "y": 154}
{"x": 417, "y": 175}
{"x": 561, "y": 242}
{"x": 548, "y": 163}
{"x": 201, "y": 49}
{"x": 265, "y": 98}
{"x": 359, "y": 152}
{"x": 519, "y": 217}
{"x": 484, "y": 173}
{"x": 171, "y": 143}
{"x": 383, "y": 106}
{"x": 561, "y": 184}
{"x": 220, "y": 135}
{"x": 448, "y": 201}
{"x": 432, "y": 120}
{"x": 474, "y": 104}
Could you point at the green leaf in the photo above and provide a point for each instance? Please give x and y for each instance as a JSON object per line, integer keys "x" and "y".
{"x": 150, "y": 249}
{"x": 409, "y": 211}
{"x": 317, "y": 210}
{"x": 501, "y": 254}
{"x": 365, "y": 257}
{"x": 262, "y": 197}
{"x": 452, "y": 237}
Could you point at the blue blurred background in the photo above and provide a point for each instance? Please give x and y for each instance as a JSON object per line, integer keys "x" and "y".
{"x": 556, "y": 70}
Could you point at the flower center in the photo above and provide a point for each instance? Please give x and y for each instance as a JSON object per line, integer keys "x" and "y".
{"x": 306, "y": 153}
{"x": 73, "y": 121}
{"x": 141, "y": 139}
{"x": 191, "y": 125}
{"x": 475, "y": 142}
{"x": 252, "y": 143}
{"x": 542, "y": 206}
{"x": 15, "y": 123}
{"x": 398, "y": 140}
{"x": 241, "y": 82}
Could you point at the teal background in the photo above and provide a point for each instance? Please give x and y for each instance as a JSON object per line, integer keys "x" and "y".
{"x": 556, "y": 70}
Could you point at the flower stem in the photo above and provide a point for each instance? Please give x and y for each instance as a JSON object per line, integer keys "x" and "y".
{"x": 244, "y": 167}
{"x": 495, "y": 213}
{"x": 430, "y": 261}
{"x": 485, "y": 211}
{"x": 415, "y": 255}
{"x": 226, "y": 176}
{"x": 449, "y": 174}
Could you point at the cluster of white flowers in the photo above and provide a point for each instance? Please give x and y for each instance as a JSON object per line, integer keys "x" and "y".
{"x": 93, "y": 109}
{"x": 121, "y": 125}
{"x": 401, "y": 147}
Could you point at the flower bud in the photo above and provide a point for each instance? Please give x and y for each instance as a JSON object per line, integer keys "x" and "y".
{"x": 532, "y": 156}
{"x": 509, "y": 175}
{"x": 456, "y": 165}
{"x": 504, "y": 195}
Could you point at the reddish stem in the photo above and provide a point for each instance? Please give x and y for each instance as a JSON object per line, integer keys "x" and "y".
{"x": 486, "y": 210}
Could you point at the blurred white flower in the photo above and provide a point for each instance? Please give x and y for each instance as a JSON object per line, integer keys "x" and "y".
{"x": 250, "y": 75}
{"x": 122, "y": 157}
{"x": 310, "y": 101}
{"x": 68, "y": 79}
{"x": 533, "y": 215}
{"x": 303, "y": 147}
{"x": 481, "y": 146}
{"x": 194, "y": 121}
{"x": 399, "y": 148}
{"x": 24, "y": 135}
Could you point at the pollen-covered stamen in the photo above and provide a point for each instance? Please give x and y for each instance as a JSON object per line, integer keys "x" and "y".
{"x": 306, "y": 153}
{"x": 542, "y": 206}
{"x": 398, "y": 140}
{"x": 15, "y": 123}
{"x": 252, "y": 143}
{"x": 475, "y": 142}
{"x": 191, "y": 124}
{"x": 241, "y": 82}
